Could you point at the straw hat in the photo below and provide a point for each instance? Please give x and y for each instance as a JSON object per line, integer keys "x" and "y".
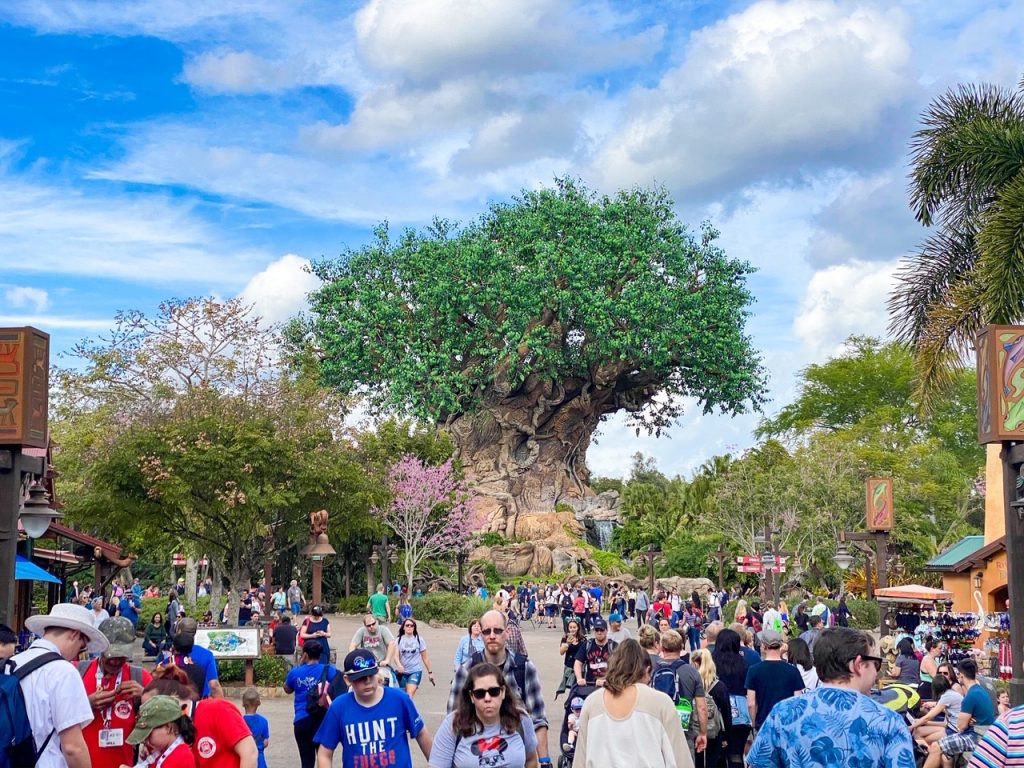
{"x": 70, "y": 616}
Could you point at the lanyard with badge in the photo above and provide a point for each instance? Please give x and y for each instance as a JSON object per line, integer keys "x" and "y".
{"x": 109, "y": 737}
{"x": 155, "y": 761}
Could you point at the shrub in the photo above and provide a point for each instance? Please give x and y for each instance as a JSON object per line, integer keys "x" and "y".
{"x": 356, "y": 604}
{"x": 493, "y": 539}
{"x": 151, "y": 605}
{"x": 269, "y": 671}
{"x": 448, "y": 608}
{"x": 230, "y": 670}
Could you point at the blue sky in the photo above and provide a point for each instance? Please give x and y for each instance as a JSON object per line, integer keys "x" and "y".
{"x": 170, "y": 148}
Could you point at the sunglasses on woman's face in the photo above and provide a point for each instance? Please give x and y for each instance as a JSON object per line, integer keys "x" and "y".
{"x": 480, "y": 693}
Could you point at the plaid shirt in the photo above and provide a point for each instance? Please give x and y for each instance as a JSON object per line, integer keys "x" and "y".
{"x": 532, "y": 697}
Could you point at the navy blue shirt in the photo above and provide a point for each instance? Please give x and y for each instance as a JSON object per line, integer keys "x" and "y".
{"x": 772, "y": 682}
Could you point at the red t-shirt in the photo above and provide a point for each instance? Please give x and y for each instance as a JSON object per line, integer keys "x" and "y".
{"x": 122, "y": 716}
{"x": 219, "y": 727}
{"x": 663, "y": 608}
{"x": 181, "y": 757}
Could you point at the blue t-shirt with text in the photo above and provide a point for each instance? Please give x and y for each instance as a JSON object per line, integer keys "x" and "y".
{"x": 371, "y": 737}
{"x": 302, "y": 679}
{"x": 832, "y": 726}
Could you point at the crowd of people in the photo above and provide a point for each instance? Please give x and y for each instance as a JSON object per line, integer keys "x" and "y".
{"x": 773, "y": 688}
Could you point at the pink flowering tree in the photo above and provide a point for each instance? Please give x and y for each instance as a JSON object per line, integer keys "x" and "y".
{"x": 429, "y": 511}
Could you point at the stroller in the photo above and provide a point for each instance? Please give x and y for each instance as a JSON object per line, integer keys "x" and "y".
{"x": 576, "y": 694}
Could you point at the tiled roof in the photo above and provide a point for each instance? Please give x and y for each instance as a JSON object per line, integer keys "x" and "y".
{"x": 966, "y": 547}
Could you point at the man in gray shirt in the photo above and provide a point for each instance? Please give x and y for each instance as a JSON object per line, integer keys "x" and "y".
{"x": 811, "y": 635}
{"x": 616, "y": 631}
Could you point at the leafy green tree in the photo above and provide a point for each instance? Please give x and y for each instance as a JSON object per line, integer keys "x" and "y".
{"x": 521, "y": 331}
{"x": 968, "y": 180}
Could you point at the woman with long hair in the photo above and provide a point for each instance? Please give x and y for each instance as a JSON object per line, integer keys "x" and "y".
{"x": 571, "y": 642}
{"x": 800, "y": 657}
{"x": 741, "y": 612}
{"x": 412, "y": 658}
{"x": 155, "y": 638}
{"x": 470, "y": 643}
{"x": 906, "y": 669}
{"x": 732, "y": 670}
{"x": 488, "y": 724}
{"x": 718, "y": 692}
{"x": 929, "y": 667}
{"x": 624, "y": 714}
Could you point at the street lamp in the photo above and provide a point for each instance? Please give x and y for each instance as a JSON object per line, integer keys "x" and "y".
{"x": 35, "y": 513}
{"x": 843, "y": 557}
{"x": 460, "y": 558}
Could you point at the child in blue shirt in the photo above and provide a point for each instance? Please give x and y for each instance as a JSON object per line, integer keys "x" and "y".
{"x": 258, "y": 725}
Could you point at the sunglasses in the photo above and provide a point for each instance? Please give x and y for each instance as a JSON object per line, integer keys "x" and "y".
{"x": 480, "y": 693}
{"x": 492, "y": 631}
{"x": 876, "y": 660}
{"x": 371, "y": 624}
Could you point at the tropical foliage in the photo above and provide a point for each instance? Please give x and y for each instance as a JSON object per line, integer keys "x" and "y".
{"x": 967, "y": 181}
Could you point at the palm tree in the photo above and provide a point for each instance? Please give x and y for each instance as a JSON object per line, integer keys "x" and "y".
{"x": 968, "y": 180}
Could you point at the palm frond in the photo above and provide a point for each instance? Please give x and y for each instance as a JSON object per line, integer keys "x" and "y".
{"x": 945, "y": 152}
{"x": 946, "y": 339}
{"x": 1001, "y": 250}
{"x": 923, "y": 280}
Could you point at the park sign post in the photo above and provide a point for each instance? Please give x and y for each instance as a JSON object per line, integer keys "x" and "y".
{"x": 24, "y": 405}
{"x": 1000, "y": 371}
{"x": 879, "y": 504}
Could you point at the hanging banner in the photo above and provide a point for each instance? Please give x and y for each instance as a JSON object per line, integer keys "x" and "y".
{"x": 879, "y": 504}
{"x": 1000, "y": 366}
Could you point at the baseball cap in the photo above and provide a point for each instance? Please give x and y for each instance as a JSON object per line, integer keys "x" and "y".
{"x": 576, "y": 703}
{"x": 615, "y": 617}
{"x": 599, "y": 623}
{"x": 360, "y": 663}
{"x": 121, "y": 635}
{"x": 187, "y": 626}
{"x": 771, "y": 639}
{"x": 158, "y": 711}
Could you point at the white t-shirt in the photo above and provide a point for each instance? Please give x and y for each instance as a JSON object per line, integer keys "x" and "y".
{"x": 810, "y": 677}
{"x": 55, "y": 699}
{"x": 674, "y": 602}
{"x": 410, "y": 649}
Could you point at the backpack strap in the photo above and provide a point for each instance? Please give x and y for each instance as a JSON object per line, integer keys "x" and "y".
{"x": 23, "y": 671}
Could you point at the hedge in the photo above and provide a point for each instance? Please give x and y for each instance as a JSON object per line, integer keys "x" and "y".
{"x": 443, "y": 607}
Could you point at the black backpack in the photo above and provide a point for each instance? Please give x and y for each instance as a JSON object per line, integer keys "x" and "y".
{"x": 19, "y": 748}
{"x": 313, "y": 708}
{"x": 518, "y": 670}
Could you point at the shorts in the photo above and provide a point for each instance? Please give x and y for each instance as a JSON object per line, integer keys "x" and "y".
{"x": 410, "y": 678}
{"x": 551, "y": 610}
{"x": 957, "y": 744}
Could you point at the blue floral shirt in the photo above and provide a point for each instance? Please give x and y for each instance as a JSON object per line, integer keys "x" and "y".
{"x": 832, "y": 727}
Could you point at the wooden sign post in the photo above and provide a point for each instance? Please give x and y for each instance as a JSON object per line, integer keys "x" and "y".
{"x": 24, "y": 404}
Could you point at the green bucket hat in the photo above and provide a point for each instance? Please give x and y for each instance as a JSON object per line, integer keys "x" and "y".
{"x": 158, "y": 711}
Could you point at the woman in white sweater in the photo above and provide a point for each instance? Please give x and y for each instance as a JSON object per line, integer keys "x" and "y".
{"x": 628, "y": 724}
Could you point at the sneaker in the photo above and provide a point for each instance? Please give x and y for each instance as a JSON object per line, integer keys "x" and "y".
{"x": 567, "y": 747}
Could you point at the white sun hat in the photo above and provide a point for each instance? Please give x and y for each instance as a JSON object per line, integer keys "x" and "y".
{"x": 70, "y": 616}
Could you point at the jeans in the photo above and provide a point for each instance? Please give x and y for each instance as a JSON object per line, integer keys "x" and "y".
{"x": 694, "y": 634}
{"x": 305, "y": 729}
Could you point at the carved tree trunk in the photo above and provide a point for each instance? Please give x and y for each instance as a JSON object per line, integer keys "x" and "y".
{"x": 525, "y": 452}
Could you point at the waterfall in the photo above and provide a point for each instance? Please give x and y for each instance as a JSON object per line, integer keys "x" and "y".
{"x": 601, "y": 533}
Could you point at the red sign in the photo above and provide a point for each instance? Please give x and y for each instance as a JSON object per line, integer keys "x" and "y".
{"x": 752, "y": 564}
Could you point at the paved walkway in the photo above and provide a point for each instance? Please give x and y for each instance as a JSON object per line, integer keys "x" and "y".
{"x": 541, "y": 643}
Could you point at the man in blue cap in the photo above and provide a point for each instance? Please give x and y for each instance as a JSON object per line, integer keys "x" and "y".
{"x": 370, "y": 721}
{"x": 616, "y": 631}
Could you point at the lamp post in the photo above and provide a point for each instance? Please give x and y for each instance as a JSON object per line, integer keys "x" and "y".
{"x": 384, "y": 553}
{"x": 318, "y": 550}
{"x": 880, "y": 539}
{"x": 650, "y": 554}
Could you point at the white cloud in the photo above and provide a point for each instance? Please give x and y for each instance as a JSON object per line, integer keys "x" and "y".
{"x": 48, "y": 229}
{"x": 21, "y": 296}
{"x": 279, "y": 291}
{"x": 842, "y": 300}
{"x": 239, "y": 72}
{"x": 777, "y": 89}
{"x": 431, "y": 40}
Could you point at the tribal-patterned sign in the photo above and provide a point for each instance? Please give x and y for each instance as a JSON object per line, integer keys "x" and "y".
{"x": 1000, "y": 356}
{"x": 879, "y": 504}
{"x": 24, "y": 386}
